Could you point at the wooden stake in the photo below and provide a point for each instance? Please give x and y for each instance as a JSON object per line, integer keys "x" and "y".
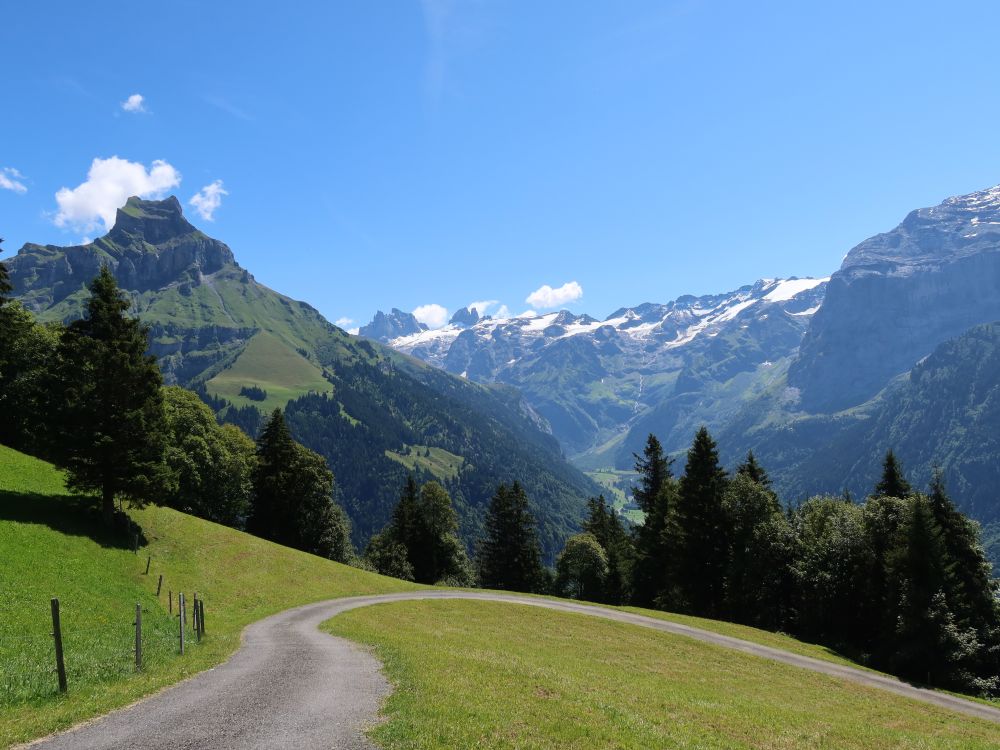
{"x": 138, "y": 638}
{"x": 180, "y": 618}
{"x": 159, "y": 585}
{"x": 149, "y": 559}
{"x": 57, "y": 636}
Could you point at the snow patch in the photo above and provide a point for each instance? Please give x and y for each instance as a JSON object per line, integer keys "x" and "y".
{"x": 786, "y": 290}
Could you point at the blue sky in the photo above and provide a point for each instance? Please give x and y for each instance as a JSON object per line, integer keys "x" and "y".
{"x": 402, "y": 153}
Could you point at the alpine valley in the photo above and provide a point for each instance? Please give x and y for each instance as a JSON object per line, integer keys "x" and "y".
{"x": 373, "y": 413}
{"x": 898, "y": 349}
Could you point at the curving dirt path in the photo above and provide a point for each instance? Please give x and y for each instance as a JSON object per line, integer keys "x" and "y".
{"x": 291, "y": 686}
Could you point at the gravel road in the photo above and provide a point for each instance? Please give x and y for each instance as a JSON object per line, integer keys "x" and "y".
{"x": 291, "y": 686}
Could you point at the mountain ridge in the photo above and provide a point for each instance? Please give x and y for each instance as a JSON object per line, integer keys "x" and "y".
{"x": 216, "y": 329}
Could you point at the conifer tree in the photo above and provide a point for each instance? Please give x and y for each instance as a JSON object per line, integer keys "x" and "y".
{"x": 928, "y": 644}
{"x": 293, "y": 496}
{"x": 892, "y": 483}
{"x": 971, "y": 589}
{"x": 5, "y": 286}
{"x": 654, "y": 495}
{"x": 702, "y": 525}
{"x": 753, "y": 470}
{"x": 603, "y": 523}
{"x": 509, "y": 556}
{"x": 273, "y": 512}
{"x": 110, "y": 422}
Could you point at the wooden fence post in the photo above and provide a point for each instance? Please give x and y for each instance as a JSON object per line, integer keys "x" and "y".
{"x": 138, "y": 637}
{"x": 201, "y": 616}
{"x": 180, "y": 618}
{"x": 149, "y": 559}
{"x": 57, "y": 636}
{"x": 170, "y": 601}
{"x": 159, "y": 586}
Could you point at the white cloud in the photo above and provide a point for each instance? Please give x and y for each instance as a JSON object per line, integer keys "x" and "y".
{"x": 545, "y": 296}
{"x": 135, "y": 104}
{"x": 343, "y": 322}
{"x": 10, "y": 179}
{"x": 354, "y": 331}
{"x": 433, "y": 316}
{"x": 482, "y": 306}
{"x": 110, "y": 182}
{"x": 207, "y": 200}
{"x": 502, "y": 313}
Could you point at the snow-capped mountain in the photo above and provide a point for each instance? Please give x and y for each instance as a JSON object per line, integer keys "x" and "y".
{"x": 591, "y": 378}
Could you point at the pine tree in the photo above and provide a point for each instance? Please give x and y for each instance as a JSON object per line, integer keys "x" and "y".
{"x": 509, "y": 556}
{"x": 702, "y": 528}
{"x": 892, "y": 483}
{"x": 753, "y": 470}
{"x": 111, "y": 428}
{"x": 653, "y": 495}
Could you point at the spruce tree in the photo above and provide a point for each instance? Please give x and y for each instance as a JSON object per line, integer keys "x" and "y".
{"x": 5, "y": 286}
{"x": 753, "y": 470}
{"x": 272, "y": 515}
{"x": 970, "y": 585}
{"x": 928, "y": 644}
{"x": 509, "y": 556}
{"x": 892, "y": 483}
{"x": 110, "y": 428}
{"x": 653, "y": 495}
{"x": 702, "y": 526}
{"x": 293, "y": 496}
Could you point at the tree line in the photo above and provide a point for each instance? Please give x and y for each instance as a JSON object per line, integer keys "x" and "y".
{"x": 899, "y": 581}
{"x": 87, "y": 397}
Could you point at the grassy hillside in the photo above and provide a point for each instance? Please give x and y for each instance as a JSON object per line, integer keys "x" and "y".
{"x": 476, "y": 674}
{"x": 52, "y": 546}
{"x": 271, "y": 364}
{"x": 437, "y": 462}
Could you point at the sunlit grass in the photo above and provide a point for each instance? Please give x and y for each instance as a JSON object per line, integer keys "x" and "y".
{"x": 478, "y": 674}
{"x": 51, "y": 547}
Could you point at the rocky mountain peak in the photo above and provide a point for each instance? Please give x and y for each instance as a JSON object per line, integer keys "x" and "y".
{"x": 465, "y": 316}
{"x": 385, "y": 327}
{"x": 154, "y": 221}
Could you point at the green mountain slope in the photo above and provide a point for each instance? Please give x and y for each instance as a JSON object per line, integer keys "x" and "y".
{"x": 52, "y": 545}
{"x": 943, "y": 413}
{"x": 218, "y": 330}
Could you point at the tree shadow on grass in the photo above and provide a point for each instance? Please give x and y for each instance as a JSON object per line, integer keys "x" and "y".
{"x": 74, "y": 515}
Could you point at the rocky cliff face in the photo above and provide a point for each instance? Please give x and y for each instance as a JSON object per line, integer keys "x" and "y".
{"x": 151, "y": 246}
{"x": 897, "y": 296}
